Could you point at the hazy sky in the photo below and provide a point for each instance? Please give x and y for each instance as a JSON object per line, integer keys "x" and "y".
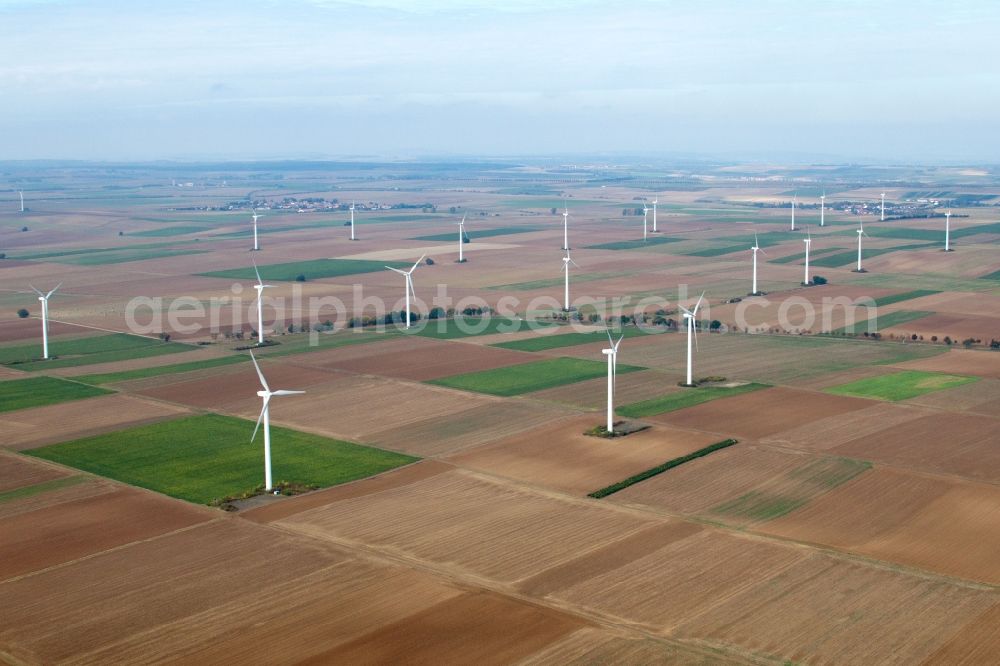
{"x": 894, "y": 80}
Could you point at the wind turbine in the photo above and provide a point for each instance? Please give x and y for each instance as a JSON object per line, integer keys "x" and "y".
{"x": 408, "y": 275}
{"x": 566, "y": 262}
{"x": 756, "y": 249}
{"x": 265, "y": 415}
{"x": 461, "y": 240}
{"x": 612, "y": 354}
{"x": 861, "y": 232}
{"x": 822, "y": 209}
{"x": 565, "y": 225}
{"x": 947, "y": 231}
{"x": 794, "y": 198}
{"x": 690, "y": 315}
{"x": 44, "y": 298}
{"x": 882, "y": 215}
{"x": 21, "y": 194}
{"x": 260, "y": 287}
{"x": 656, "y": 200}
{"x": 256, "y": 245}
{"x": 645, "y": 215}
{"x": 352, "y": 222}
{"x": 808, "y": 242}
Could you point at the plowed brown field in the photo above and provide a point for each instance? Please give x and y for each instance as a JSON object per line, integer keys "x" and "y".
{"x": 19, "y": 471}
{"x": 959, "y": 362}
{"x": 948, "y": 526}
{"x": 418, "y": 359}
{"x": 31, "y": 428}
{"x": 52, "y": 535}
{"x": 762, "y": 413}
{"x": 559, "y": 456}
{"x": 827, "y": 433}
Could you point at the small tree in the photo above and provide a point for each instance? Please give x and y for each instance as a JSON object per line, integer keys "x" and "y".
{"x": 715, "y": 325}
{"x": 552, "y": 210}
{"x": 429, "y": 261}
{"x": 819, "y": 279}
{"x": 23, "y": 313}
{"x": 300, "y": 278}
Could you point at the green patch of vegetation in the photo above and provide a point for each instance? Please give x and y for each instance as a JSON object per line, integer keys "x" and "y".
{"x": 684, "y": 398}
{"x": 634, "y": 244}
{"x": 180, "y": 230}
{"x": 39, "y": 391}
{"x": 782, "y": 495}
{"x": 478, "y": 233}
{"x": 87, "y": 351}
{"x": 142, "y": 373}
{"x": 801, "y": 256}
{"x": 851, "y": 256}
{"x": 209, "y": 457}
{"x": 303, "y": 343}
{"x": 659, "y": 469}
{"x": 905, "y": 296}
{"x": 312, "y": 270}
{"x": 991, "y": 276}
{"x": 529, "y": 377}
{"x": 39, "y": 488}
{"x": 900, "y": 385}
{"x": 56, "y": 254}
{"x": 886, "y": 320}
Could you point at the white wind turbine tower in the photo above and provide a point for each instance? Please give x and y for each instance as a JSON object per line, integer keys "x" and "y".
{"x": 21, "y": 194}
{"x": 656, "y": 200}
{"x": 566, "y": 262}
{"x": 822, "y": 209}
{"x": 947, "y": 231}
{"x": 690, "y": 316}
{"x": 352, "y": 222}
{"x": 256, "y": 244}
{"x": 265, "y": 415}
{"x": 260, "y": 287}
{"x": 756, "y": 249}
{"x": 612, "y": 354}
{"x": 808, "y": 242}
{"x": 565, "y": 226}
{"x": 861, "y": 232}
{"x": 794, "y": 198}
{"x": 44, "y": 298}
{"x": 461, "y": 240}
{"x": 645, "y": 215}
{"x": 408, "y": 289}
{"x": 882, "y": 214}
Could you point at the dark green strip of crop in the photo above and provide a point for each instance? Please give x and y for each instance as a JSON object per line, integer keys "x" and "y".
{"x": 659, "y": 469}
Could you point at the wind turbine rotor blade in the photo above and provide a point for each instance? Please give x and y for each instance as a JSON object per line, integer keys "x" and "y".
{"x": 259, "y": 281}
{"x": 698, "y": 304}
{"x": 260, "y": 417}
{"x": 418, "y": 263}
{"x": 36, "y": 291}
{"x": 263, "y": 382}
{"x": 285, "y": 392}
{"x": 396, "y": 270}
{"x": 610, "y": 341}
{"x": 619, "y": 342}
{"x": 686, "y": 311}
{"x": 53, "y": 290}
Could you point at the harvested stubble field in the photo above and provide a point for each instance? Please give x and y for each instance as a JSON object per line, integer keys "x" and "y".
{"x": 529, "y": 377}
{"x": 837, "y": 611}
{"x": 20, "y": 330}
{"x": 462, "y": 520}
{"x": 559, "y": 456}
{"x": 938, "y": 524}
{"x": 960, "y": 361}
{"x": 19, "y": 472}
{"x": 63, "y": 532}
{"x": 30, "y": 428}
{"x": 832, "y": 431}
{"x": 596, "y": 646}
{"x": 761, "y": 413}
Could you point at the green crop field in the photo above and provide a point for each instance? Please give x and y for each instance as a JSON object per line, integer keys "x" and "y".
{"x": 463, "y": 327}
{"x": 209, "y": 457}
{"x": 801, "y": 256}
{"x": 38, "y": 391}
{"x": 478, "y": 233}
{"x": 312, "y": 270}
{"x": 142, "y": 373}
{"x": 905, "y": 296}
{"x": 87, "y": 351}
{"x": 684, "y": 398}
{"x": 634, "y": 244}
{"x": 557, "y": 340}
{"x": 715, "y": 251}
{"x": 528, "y": 377}
{"x": 901, "y": 385}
